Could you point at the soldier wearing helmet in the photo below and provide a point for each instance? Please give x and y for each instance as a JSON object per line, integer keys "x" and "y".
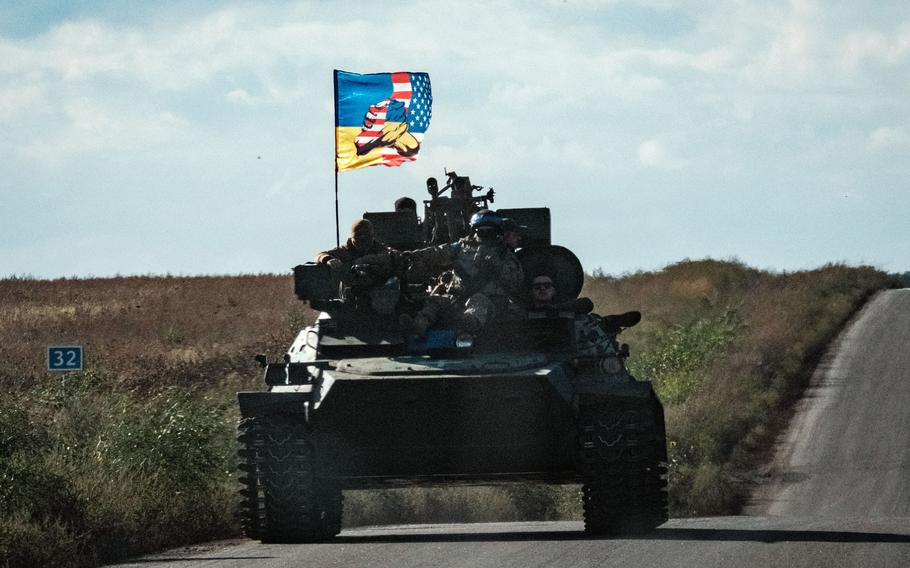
{"x": 485, "y": 275}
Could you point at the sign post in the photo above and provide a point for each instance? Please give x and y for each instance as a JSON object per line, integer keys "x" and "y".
{"x": 64, "y": 359}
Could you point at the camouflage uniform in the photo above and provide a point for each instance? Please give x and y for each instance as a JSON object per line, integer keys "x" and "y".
{"x": 485, "y": 276}
{"x": 348, "y": 252}
{"x": 591, "y": 339}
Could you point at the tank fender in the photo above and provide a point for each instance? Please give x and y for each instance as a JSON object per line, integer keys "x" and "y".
{"x": 266, "y": 403}
{"x": 584, "y": 390}
{"x": 298, "y": 373}
{"x": 592, "y": 387}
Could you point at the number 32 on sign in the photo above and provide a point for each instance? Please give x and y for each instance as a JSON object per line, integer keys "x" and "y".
{"x": 64, "y": 358}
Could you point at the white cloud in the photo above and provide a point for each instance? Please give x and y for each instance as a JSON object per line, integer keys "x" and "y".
{"x": 889, "y": 136}
{"x": 240, "y": 96}
{"x": 522, "y": 94}
{"x": 175, "y": 59}
{"x": 873, "y": 45}
{"x": 471, "y": 156}
{"x": 792, "y": 55}
{"x": 710, "y": 61}
{"x": 743, "y": 111}
{"x": 90, "y": 127}
{"x": 16, "y": 101}
{"x": 287, "y": 185}
{"x": 655, "y": 154}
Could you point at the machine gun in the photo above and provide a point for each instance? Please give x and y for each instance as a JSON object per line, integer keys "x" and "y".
{"x": 447, "y": 218}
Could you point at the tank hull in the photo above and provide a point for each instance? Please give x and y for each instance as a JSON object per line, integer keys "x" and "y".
{"x": 370, "y": 431}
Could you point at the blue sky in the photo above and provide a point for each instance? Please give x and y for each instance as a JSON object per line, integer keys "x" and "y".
{"x": 198, "y": 139}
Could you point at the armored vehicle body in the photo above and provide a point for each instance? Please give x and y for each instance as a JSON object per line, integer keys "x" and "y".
{"x": 538, "y": 395}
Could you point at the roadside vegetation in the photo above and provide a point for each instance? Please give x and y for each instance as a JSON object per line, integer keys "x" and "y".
{"x": 136, "y": 453}
{"x": 729, "y": 349}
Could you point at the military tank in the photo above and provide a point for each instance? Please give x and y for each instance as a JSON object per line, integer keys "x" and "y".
{"x": 356, "y": 404}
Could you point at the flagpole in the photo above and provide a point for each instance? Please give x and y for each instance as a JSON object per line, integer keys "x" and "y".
{"x": 337, "y": 233}
{"x": 335, "y": 158}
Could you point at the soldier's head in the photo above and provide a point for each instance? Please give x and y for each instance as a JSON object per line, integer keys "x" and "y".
{"x": 511, "y": 233}
{"x": 543, "y": 290}
{"x": 362, "y": 234}
{"x": 487, "y": 225}
{"x": 405, "y": 204}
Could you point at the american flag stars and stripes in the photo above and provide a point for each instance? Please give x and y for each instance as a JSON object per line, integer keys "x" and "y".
{"x": 421, "y": 108}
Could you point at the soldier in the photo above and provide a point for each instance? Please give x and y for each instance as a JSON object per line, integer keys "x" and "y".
{"x": 511, "y": 233}
{"x": 359, "y": 245}
{"x": 486, "y": 273}
{"x": 542, "y": 291}
{"x": 405, "y": 204}
{"x": 591, "y": 339}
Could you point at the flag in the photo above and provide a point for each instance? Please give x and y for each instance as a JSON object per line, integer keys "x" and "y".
{"x": 380, "y": 118}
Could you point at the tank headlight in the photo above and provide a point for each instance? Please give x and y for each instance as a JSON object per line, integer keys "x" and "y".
{"x": 464, "y": 341}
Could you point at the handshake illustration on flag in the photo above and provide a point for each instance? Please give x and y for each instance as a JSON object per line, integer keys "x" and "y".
{"x": 386, "y": 124}
{"x": 380, "y": 118}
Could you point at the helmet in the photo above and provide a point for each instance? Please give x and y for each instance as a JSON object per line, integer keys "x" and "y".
{"x": 487, "y": 225}
{"x": 486, "y": 218}
{"x": 403, "y": 203}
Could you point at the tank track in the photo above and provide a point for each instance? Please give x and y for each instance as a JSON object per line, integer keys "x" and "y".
{"x": 622, "y": 456}
{"x": 281, "y": 498}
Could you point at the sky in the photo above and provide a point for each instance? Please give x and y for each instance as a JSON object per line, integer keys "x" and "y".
{"x": 198, "y": 138}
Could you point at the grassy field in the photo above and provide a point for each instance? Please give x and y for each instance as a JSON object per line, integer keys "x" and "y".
{"x": 136, "y": 453}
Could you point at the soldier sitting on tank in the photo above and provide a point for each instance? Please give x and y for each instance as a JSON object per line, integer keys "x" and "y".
{"x": 542, "y": 295}
{"x": 485, "y": 275}
{"x": 368, "y": 262}
{"x": 360, "y": 245}
{"x": 542, "y": 292}
{"x": 593, "y": 337}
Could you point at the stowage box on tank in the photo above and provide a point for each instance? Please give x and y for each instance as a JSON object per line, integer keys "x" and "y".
{"x": 538, "y": 396}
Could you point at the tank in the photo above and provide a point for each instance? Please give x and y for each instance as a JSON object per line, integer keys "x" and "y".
{"x": 536, "y": 396}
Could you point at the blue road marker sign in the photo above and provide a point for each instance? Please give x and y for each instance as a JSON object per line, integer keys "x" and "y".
{"x": 64, "y": 358}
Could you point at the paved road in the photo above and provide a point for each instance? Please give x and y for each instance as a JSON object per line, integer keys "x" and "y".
{"x": 838, "y": 492}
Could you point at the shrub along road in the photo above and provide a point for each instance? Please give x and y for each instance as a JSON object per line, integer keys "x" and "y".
{"x": 836, "y": 494}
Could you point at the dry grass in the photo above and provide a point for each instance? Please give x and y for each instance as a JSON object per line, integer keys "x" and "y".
{"x": 136, "y": 453}
{"x": 134, "y": 328}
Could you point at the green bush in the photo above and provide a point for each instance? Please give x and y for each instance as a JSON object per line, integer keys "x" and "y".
{"x": 172, "y": 438}
{"x": 40, "y": 506}
{"x": 678, "y": 357}
{"x": 25, "y": 542}
{"x": 107, "y": 473}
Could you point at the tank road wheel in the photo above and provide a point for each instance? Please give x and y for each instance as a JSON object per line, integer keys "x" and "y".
{"x": 622, "y": 454}
{"x": 281, "y": 499}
